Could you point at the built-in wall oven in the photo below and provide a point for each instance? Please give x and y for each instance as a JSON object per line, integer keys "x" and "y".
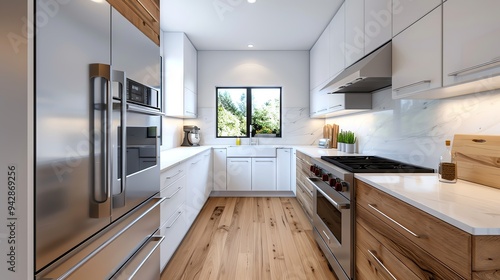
{"x": 334, "y": 200}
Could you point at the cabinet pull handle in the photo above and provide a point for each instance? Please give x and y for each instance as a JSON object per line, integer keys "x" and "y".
{"x": 459, "y": 72}
{"x": 326, "y": 235}
{"x": 413, "y": 84}
{"x": 172, "y": 195}
{"x": 179, "y": 172}
{"x": 374, "y": 207}
{"x": 175, "y": 220}
{"x": 264, "y": 161}
{"x": 340, "y": 105}
{"x": 239, "y": 161}
{"x": 381, "y": 264}
{"x": 193, "y": 163}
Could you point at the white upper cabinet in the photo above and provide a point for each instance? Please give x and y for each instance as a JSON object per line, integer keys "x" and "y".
{"x": 471, "y": 40}
{"x": 407, "y": 12}
{"x": 319, "y": 68}
{"x": 354, "y": 31}
{"x": 378, "y": 24}
{"x": 180, "y": 58}
{"x": 416, "y": 57}
{"x": 336, "y": 46}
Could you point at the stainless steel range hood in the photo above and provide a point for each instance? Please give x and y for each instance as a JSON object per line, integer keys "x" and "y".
{"x": 369, "y": 74}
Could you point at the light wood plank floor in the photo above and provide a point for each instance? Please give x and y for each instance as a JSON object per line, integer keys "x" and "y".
{"x": 249, "y": 238}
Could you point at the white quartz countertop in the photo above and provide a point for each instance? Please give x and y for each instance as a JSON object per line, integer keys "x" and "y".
{"x": 471, "y": 207}
{"x": 173, "y": 156}
{"x": 316, "y": 152}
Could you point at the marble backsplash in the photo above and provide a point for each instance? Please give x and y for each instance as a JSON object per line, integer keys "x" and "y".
{"x": 414, "y": 131}
{"x": 298, "y": 128}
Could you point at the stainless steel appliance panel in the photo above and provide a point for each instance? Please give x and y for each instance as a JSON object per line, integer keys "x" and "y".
{"x": 142, "y": 160}
{"x": 333, "y": 222}
{"x": 134, "y": 53}
{"x": 66, "y": 45}
{"x": 114, "y": 250}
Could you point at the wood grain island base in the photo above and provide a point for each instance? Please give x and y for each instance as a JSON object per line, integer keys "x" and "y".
{"x": 395, "y": 240}
{"x": 249, "y": 238}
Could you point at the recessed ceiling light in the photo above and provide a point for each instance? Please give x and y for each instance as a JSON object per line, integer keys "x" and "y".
{"x": 250, "y": 45}
{"x": 251, "y": 1}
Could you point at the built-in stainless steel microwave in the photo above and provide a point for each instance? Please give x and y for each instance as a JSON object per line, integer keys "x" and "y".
{"x": 143, "y": 95}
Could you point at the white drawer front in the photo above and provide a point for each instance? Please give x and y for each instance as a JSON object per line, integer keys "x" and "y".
{"x": 176, "y": 195}
{"x": 171, "y": 175}
{"x": 174, "y": 230}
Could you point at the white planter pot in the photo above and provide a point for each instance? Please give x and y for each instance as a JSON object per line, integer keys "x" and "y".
{"x": 349, "y": 148}
{"x": 341, "y": 147}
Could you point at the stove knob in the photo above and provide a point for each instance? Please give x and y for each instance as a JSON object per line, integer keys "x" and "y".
{"x": 345, "y": 186}
{"x": 338, "y": 186}
{"x": 312, "y": 168}
{"x": 325, "y": 177}
{"x": 318, "y": 172}
{"x": 332, "y": 182}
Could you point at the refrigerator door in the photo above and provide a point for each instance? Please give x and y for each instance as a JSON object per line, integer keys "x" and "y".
{"x": 72, "y": 190}
{"x": 136, "y": 57}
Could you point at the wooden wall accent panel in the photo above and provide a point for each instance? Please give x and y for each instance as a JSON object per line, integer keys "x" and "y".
{"x": 478, "y": 158}
{"x": 445, "y": 242}
{"x": 144, "y": 14}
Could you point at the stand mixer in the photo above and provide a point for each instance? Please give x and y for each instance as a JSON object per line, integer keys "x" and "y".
{"x": 191, "y": 135}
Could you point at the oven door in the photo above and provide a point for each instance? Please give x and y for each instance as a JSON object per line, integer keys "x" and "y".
{"x": 137, "y": 172}
{"x": 333, "y": 223}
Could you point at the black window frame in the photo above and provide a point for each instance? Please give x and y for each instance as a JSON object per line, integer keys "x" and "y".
{"x": 249, "y": 109}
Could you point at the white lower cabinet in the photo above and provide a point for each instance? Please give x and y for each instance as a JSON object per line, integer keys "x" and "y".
{"x": 263, "y": 174}
{"x": 239, "y": 174}
{"x": 220, "y": 165}
{"x": 199, "y": 183}
{"x": 283, "y": 169}
{"x": 174, "y": 230}
{"x": 172, "y": 225}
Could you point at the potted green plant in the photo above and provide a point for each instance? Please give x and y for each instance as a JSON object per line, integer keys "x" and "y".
{"x": 341, "y": 141}
{"x": 350, "y": 140}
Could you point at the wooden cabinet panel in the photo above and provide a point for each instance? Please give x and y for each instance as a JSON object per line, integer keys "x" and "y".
{"x": 414, "y": 258}
{"x": 144, "y": 14}
{"x": 442, "y": 240}
{"x": 485, "y": 257}
{"x": 369, "y": 248}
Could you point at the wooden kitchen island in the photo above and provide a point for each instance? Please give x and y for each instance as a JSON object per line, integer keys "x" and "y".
{"x": 415, "y": 227}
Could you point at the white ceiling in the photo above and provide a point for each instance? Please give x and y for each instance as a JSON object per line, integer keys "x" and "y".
{"x": 233, "y": 24}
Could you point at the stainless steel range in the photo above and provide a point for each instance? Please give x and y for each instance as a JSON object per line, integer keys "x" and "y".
{"x": 333, "y": 203}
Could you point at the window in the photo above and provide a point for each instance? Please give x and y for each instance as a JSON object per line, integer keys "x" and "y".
{"x": 263, "y": 105}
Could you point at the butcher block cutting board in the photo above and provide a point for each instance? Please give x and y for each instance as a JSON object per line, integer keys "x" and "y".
{"x": 478, "y": 158}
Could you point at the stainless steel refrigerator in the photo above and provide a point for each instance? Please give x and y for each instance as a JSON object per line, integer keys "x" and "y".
{"x": 97, "y": 128}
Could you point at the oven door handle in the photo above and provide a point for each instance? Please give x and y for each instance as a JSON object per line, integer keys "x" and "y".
{"x": 143, "y": 110}
{"x": 337, "y": 201}
{"x": 120, "y": 77}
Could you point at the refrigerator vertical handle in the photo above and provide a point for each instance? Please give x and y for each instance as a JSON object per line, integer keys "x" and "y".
{"x": 100, "y": 203}
{"x": 120, "y": 77}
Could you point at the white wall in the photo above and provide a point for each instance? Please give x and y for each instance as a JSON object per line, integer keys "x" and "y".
{"x": 288, "y": 69}
{"x": 414, "y": 131}
{"x": 171, "y": 133}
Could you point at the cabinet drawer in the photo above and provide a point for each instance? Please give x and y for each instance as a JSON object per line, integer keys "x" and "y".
{"x": 174, "y": 231}
{"x": 175, "y": 195}
{"x": 412, "y": 257}
{"x": 303, "y": 162}
{"x": 375, "y": 261}
{"x": 171, "y": 175}
{"x": 305, "y": 199}
{"x": 442, "y": 240}
{"x": 302, "y": 179}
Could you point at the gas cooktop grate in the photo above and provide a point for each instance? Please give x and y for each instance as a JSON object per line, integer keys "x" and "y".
{"x": 374, "y": 164}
